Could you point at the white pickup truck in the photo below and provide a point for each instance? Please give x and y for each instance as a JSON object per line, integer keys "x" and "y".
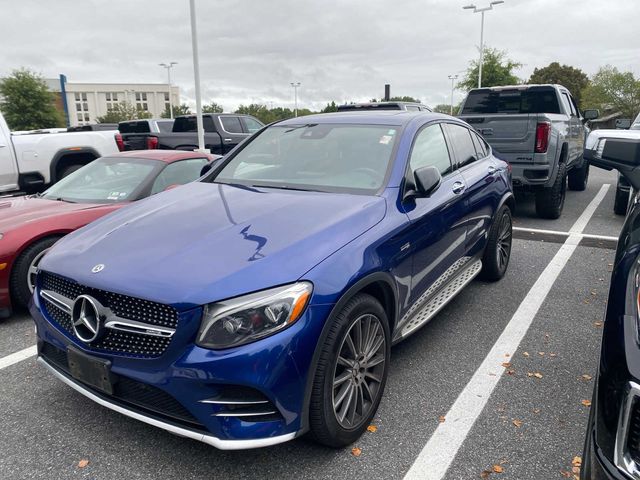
{"x": 31, "y": 161}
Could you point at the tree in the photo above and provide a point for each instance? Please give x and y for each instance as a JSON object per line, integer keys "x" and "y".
{"x": 404, "y": 98}
{"x": 443, "y": 108}
{"x": 612, "y": 89}
{"x": 331, "y": 107}
{"x": 122, "y": 112}
{"x": 497, "y": 70}
{"x": 213, "y": 107}
{"x": 177, "y": 110}
{"x": 572, "y": 78}
{"x": 27, "y": 103}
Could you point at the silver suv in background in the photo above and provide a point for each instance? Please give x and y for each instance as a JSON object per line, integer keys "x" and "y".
{"x": 540, "y": 131}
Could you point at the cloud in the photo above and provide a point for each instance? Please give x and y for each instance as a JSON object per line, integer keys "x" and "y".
{"x": 251, "y": 50}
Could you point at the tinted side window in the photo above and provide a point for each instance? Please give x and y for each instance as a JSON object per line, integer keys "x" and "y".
{"x": 185, "y": 124}
{"x": 251, "y": 124}
{"x": 413, "y": 108}
{"x": 567, "y": 104}
{"x": 481, "y": 147}
{"x": 178, "y": 173}
{"x": 231, "y": 124}
{"x": 462, "y": 144}
{"x": 208, "y": 125}
{"x": 430, "y": 150}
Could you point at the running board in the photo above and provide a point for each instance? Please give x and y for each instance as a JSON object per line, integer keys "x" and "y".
{"x": 438, "y": 302}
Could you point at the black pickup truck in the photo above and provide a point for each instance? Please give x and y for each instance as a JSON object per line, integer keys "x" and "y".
{"x": 222, "y": 132}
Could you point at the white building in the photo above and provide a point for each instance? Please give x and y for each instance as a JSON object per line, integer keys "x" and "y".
{"x": 85, "y": 102}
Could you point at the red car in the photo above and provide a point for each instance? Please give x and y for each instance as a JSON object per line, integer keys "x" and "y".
{"x": 30, "y": 225}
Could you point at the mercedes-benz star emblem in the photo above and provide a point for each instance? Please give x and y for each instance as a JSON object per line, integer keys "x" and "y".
{"x": 98, "y": 268}
{"x": 85, "y": 316}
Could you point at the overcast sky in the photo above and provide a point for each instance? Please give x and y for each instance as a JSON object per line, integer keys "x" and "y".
{"x": 342, "y": 50}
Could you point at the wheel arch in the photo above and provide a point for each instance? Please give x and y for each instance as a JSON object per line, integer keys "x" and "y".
{"x": 81, "y": 155}
{"x": 379, "y": 285}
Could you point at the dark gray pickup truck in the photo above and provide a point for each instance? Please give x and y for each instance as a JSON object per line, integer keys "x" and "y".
{"x": 222, "y": 132}
{"x": 540, "y": 131}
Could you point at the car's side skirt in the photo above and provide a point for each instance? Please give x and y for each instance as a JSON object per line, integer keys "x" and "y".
{"x": 420, "y": 316}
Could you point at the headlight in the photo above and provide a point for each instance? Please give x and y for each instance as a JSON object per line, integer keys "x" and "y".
{"x": 241, "y": 320}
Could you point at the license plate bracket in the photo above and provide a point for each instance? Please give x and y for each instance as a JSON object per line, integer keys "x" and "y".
{"x": 92, "y": 371}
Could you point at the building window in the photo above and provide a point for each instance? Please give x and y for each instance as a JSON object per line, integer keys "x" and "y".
{"x": 82, "y": 107}
{"x": 141, "y": 101}
{"x": 112, "y": 100}
{"x": 167, "y": 102}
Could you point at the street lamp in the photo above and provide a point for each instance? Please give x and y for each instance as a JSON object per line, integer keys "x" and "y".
{"x": 169, "y": 66}
{"x": 481, "y": 10}
{"x": 453, "y": 79}
{"x": 295, "y": 86}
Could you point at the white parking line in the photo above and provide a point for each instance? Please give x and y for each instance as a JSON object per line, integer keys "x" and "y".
{"x": 439, "y": 452}
{"x": 566, "y": 234}
{"x": 18, "y": 357}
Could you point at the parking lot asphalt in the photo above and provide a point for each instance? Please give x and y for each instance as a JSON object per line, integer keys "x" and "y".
{"x": 47, "y": 428}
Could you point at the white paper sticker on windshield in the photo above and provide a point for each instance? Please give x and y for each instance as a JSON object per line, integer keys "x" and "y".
{"x": 385, "y": 139}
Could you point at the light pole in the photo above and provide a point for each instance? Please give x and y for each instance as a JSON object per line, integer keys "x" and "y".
{"x": 482, "y": 10}
{"x": 453, "y": 79}
{"x": 295, "y": 86}
{"x": 196, "y": 75}
{"x": 169, "y": 66}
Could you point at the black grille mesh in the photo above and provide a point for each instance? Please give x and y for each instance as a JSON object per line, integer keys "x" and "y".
{"x": 121, "y": 305}
{"x": 633, "y": 441}
{"x": 130, "y": 391}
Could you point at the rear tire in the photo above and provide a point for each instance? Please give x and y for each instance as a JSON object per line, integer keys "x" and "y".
{"x": 22, "y": 277}
{"x": 579, "y": 177}
{"x": 498, "y": 250}
{"x": 351, "y": 373}
{"x": 621, "y": 201}
{"x": 550, "y": 201}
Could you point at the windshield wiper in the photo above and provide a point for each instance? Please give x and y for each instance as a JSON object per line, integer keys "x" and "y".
{"x": 286, "y": 187}
{"x": 308, "y": 125}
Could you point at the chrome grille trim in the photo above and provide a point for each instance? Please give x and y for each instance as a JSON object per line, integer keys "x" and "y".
{"x": 622, "y": 456}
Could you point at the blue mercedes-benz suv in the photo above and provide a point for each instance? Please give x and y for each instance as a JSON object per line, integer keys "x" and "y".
{"x": 262, "y": 302}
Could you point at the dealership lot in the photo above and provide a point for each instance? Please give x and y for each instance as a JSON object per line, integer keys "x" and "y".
{"x": 532, "y": 425}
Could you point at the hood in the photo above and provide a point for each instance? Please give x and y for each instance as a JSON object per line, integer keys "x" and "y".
{"x": 204, "y": 242}
{"x": 19, "y": 211}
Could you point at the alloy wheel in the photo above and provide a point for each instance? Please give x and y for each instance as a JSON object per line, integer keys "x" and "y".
{"x": 359, "y": 371}
{"x": 504, "y": 241}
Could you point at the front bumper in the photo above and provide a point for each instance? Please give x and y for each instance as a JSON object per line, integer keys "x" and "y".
{"x": 195, "y": 380}
{"x": 156, "y": 422}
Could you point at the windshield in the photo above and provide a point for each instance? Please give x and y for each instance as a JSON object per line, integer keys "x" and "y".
{"x": 105, "y": 180}
{"x": 320, "y": 157}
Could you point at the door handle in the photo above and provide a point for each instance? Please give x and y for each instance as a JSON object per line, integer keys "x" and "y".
{"x": 458, "y": 187}
{"x": 491, "y": 169}
{"x": 228, "y": 140}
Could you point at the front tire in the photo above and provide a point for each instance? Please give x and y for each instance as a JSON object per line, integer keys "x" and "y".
{"x": 22, "y": 281}
{"x": 550, "y": 201}
{"x": 498, "y": 250}
{"x": 351, "y": 373}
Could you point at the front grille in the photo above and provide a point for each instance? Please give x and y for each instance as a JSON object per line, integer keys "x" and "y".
{"x": 130, "y": 392}
{"x": 114, "y": 341}
{"x": 633, "y": 440}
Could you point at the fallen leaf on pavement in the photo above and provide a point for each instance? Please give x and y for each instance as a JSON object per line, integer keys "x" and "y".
{"x": 541, "y": 354}
{"x": 536, "y": 411}
{"x": 498, "y": 469}
{"x": 83, "y": 463}
{"x": 534, "y": 374}
{"x": 485, "y": 474}
{"x": 526, "y": 354}
{"x": 565, "y": 474}
{"x": 586, "y": 403}
{"x": 597, "y": 324}
{"x": 553, "y": 354}
{"x": 517, "y": 423}
{"x": 372, "y": 428}
{"x": 586, "y": 377}
{"x": 577, "y": 461}
{"x": 506, "y": 364}
{"x": 356, "y": 452}
{"x": 511, "y": 372}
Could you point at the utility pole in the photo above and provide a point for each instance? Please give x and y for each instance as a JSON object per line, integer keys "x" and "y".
{"x": 295, "y": 86}
{"x": 196, "y": 75}
{"x": 453, "y": 79}
{"x": 169, "y": 66}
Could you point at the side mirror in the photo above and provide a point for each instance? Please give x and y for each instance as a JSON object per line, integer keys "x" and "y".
{"x": 591, "y": 114}
{"x": 614, "y": 149}
{"x": 427, "y": 180}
